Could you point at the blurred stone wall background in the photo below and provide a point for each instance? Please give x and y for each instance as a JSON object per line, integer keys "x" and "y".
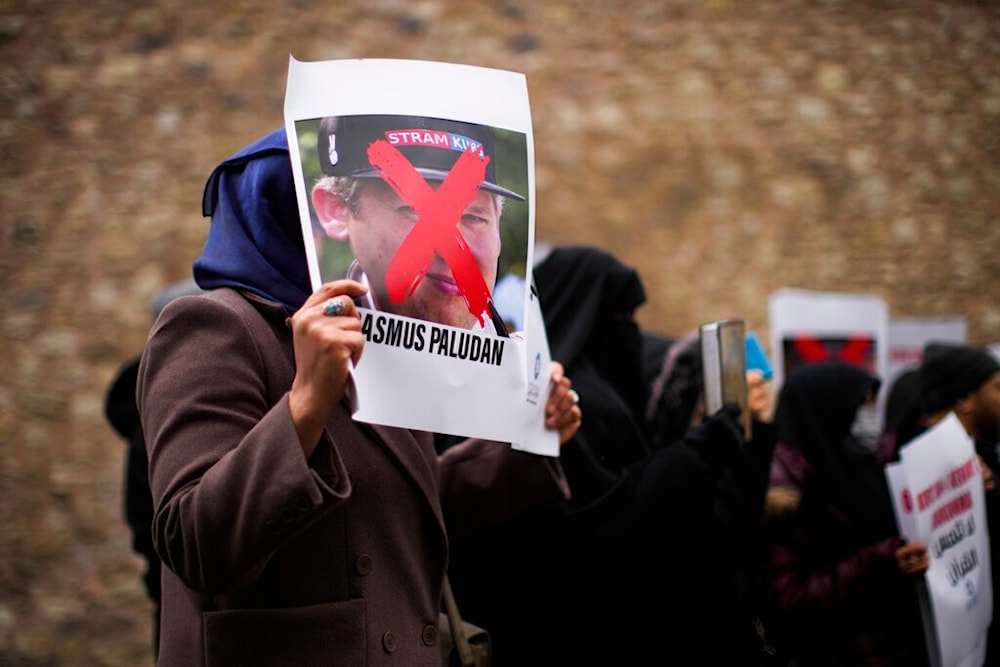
{"x": 726, "y": 149}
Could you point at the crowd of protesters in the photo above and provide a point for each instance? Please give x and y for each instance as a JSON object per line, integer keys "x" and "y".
{"x": 686, "y": 540}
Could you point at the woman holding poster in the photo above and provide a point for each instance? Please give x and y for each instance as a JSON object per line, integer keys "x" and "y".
{"x": 843, "y": 578}
{"x": 291, "y": 533}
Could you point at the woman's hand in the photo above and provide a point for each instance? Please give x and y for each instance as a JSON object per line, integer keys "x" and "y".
{"x": 989, "y": 482}
{"x": 758, "y": 396}
{"x": 327, "y": 339}
{"x": 913, "y": 558}
{"x": 562, "y": 410}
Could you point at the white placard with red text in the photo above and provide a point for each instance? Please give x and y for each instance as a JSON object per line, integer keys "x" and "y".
{"x": 938, "y": 494}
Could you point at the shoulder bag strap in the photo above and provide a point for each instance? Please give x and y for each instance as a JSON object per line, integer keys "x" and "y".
{"x": 457, "y": 629}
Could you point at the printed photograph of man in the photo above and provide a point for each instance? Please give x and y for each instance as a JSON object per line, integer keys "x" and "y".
{"x": 417, "y": 205}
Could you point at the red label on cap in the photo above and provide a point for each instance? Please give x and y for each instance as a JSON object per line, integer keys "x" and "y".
{"x": 433, "y": 139}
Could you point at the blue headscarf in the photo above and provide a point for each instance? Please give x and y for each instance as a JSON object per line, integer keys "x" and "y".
{"x": 255, "y": 240}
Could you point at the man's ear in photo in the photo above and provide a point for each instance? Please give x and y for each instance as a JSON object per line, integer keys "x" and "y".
{"x": 332, "y": 212}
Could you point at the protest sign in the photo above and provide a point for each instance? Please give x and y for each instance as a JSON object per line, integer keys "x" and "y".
{"x": 808, "y": 326}
{"x": 938, "y": 496}
{"x": 442, "y": 156}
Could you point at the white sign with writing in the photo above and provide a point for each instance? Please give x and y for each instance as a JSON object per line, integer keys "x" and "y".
{"x": 938, "y": 494}
{"x": 417, "y": 179}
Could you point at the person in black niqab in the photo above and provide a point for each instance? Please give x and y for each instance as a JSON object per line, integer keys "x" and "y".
{"x": 589, "y": 299}
{"x": 842, "y": 576}
{"x": 814, "y": 416}
{"x": 544, "y": 574}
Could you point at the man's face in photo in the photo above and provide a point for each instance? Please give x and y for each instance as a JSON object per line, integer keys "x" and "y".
{"x": 376, "y": 229}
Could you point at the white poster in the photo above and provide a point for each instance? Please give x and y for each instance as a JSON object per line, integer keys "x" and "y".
{"x": 808, "y": 326}
{"x": 938, "y": 494}
{"x": 417, "y": 179}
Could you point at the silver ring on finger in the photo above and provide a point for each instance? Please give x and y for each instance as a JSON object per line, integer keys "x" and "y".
{"x": 334, "y": 307}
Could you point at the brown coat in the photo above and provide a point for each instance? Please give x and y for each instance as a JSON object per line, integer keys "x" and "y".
{"x": 270, "y": 559}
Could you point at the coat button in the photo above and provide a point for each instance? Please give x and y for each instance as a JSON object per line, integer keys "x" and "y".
{"x": 389, "y": 642}
{"x": 429, "y": 635}
{"x": 363, "y": 565}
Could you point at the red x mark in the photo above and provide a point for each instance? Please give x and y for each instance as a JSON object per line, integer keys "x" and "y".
{"x": 436, "y": 230}
{"x": 854, "y": 351}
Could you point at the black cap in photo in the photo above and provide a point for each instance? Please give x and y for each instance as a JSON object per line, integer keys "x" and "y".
{"x": 432, "y": 146}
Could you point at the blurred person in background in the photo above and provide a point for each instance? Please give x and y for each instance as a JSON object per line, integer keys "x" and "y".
{"x": 122, "y": 413}
{"x": 842, "y": 577}
{"x": 904, "y": 417}
{"x": 965, "y": 379}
